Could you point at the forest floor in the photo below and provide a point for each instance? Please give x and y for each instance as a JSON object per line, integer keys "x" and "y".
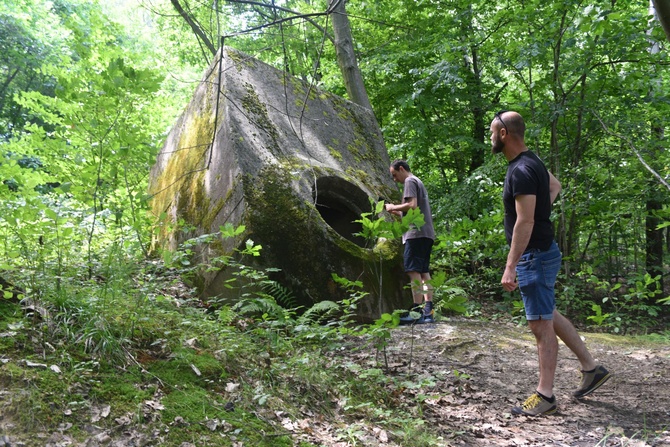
{"x": 471, "y": 373}
{"x": 494, "y": 367}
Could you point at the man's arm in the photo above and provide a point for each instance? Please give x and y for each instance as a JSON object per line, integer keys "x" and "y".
{"x": 403, "y": 207}
{"x": 554, "y": 187}
{"x": 525, "y": 220}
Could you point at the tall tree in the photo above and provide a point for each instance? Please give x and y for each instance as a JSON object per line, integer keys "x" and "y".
{"x": 266, "y": 16}
{"x": 346, "y": 56}
{"x": 654, "y": 236}
{"x": 197, "y": 29}
{"x": 27, "y": 41}
{"x": 662, "y": 8}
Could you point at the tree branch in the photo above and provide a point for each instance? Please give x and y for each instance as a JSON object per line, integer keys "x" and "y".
{"x": 635, "y": 151}
{"x": 296, "y": 15}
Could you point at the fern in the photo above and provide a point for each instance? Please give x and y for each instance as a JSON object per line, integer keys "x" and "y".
{"x": 319, "y": 312}
{"x": 281, "y": 294}
{"x": 258, "y": 306}
{"x": 454, "y": 299}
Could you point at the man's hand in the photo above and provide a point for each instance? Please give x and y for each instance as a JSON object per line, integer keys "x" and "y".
{"x": 391, "y": 209}
{"x": 508, "y": 280}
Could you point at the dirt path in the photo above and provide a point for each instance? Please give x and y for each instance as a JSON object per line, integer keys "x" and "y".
{"x": 484, "y": 369}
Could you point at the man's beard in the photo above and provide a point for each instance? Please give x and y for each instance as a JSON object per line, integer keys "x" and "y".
{"x": 497, "y": 147}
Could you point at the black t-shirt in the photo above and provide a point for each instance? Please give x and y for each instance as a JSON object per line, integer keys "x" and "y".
{"x": 527, "y": 175}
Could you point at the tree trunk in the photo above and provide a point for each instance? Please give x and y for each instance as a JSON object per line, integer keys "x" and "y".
{"x": 479, "y": 106}
{"x": 478, "y": 113}
{"x": 197, "y": 29}
{"x": 554, "y": 153}
{"x": 346, "y": 57}
{"x": 662, "y": 8}
{"x": 654, "y": 242}
{"x": 654, "y": 236}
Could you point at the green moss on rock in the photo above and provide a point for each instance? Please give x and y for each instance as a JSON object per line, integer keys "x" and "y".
{"x": 259, "y": 112}
{"x": 183, "y": 177}
{"x": 292, "y": 233}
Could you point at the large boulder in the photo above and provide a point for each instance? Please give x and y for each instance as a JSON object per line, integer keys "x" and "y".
{"x": 296, "y": 166}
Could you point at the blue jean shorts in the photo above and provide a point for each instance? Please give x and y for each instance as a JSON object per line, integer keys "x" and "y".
{"x": 536, "y": 274}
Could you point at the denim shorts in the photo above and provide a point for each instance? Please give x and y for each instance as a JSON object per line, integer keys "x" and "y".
{"x": 417, "y": 254}
{"x": 536, "y": 274}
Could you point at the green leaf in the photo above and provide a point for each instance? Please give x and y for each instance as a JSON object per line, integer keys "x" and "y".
{"x": 51, "y": 214}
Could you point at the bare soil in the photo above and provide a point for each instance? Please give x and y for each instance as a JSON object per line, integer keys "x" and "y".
{"x": 490, "y": 367}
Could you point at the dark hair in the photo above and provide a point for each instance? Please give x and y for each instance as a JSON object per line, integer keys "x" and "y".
{"x": 400, "y": 164}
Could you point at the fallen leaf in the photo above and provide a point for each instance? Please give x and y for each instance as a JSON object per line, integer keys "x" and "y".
{"x": 212, "y": 424}
{"x": 35, "y": 365}
{"x": 288, "y": 424}
{"x": 381, "y": 434}
{"x": 99, "y": 413}
{"x": 154, "y": 405}
{"x": 179, "y": 422}
{"x": 123, "y": 420}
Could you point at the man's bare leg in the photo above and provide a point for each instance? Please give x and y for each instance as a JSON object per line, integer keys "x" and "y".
{"x": 567, "y": 332}
{"x": 547, "y": 352}
{"x": 417, "y": 287}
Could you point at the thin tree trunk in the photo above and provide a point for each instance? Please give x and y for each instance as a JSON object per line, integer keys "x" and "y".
{"x": 654, "y": 239}
{"x": 197, "y": 29}
{"x": 5, "y": 85}
{"x": 478, "y": 114}
{"x": 346, "y": 57}
{"x": 654, "y": 236}
{"x": 662, "y": 8}
{"x": 474, "y": 83}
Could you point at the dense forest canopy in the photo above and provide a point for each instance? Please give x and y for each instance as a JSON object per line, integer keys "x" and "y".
{"x": 88, "y": 91}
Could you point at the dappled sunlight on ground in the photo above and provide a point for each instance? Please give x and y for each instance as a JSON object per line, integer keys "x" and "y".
{"x": 483, "y": 369}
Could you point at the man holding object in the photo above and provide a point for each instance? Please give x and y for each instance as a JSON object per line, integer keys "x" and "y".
{"x": 418, "y": 242}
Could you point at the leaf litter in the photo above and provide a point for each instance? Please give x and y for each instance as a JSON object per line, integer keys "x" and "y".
{"x": 489, "y": 367}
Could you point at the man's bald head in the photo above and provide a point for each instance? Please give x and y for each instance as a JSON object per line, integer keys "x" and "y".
{"x": 511, "y": 121}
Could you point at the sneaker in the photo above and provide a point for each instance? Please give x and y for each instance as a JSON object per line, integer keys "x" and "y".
{"x": 411, "y": 317}
{"x": 536, "y": 405}
{"x": 427, "y": 319}
{"x": 591, "y": 381}
{"x": 414, "y": 317}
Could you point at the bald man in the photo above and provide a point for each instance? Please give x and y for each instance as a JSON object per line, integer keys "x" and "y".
{"x": 534, "y": 260}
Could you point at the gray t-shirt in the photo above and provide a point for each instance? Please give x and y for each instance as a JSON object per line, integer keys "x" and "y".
{"x": 414, "y": 188}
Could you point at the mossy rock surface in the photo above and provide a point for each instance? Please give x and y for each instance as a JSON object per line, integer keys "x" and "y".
{"x": 295, "y": 165}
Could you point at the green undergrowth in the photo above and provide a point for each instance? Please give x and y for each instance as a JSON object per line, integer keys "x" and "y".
{"x": 135, "y": 355}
